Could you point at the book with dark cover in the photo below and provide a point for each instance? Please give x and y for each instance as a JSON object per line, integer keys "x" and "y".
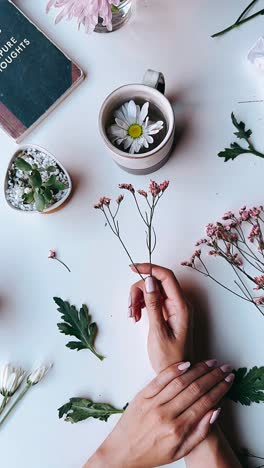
{"x": 35, "y": 75}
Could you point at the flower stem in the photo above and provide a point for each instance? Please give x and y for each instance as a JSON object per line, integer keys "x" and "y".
{"x": 235, "y": 25}
{"x": 64, "y": 264}
{"x": 3, "y": 404}
{"x": 19, "y": 398}
{"x": 246, "y": 10}
{"x": 115, "y": 231}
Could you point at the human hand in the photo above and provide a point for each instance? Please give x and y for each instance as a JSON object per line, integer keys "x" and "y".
{"x": 170, "y": 318}
{"x": 167, "y": 419}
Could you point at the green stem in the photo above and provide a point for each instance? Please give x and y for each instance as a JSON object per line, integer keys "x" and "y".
{"x": 257, "y": 153}
{"x": 19, "y": 398}
{"x": 115, "y": 231}
{"x": 246, "y": 10}
{"x": 99, "y": 356}
{"x": 235, "y": 25}
{"x": 64, "y": 264}
{"x": 3, "y": 404}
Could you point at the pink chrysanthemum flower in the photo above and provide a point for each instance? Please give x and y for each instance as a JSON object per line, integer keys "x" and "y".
{"x": 86, "y": 12}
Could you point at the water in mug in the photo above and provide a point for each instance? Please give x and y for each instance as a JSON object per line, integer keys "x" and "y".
{"x": 154, "y": 116}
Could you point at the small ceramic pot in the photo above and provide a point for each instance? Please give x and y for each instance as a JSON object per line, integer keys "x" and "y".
{"x": 152, "y": 91}
{"x": 56, "y": 205}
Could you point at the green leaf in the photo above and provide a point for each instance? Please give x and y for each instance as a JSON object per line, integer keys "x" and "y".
{"x": 58, "y": 186}
{"x": 79, "y": 409}
{"x": 39, "y": 201}
{"x": 235, "y": 149}
{"x": 47, "y": 194}
{"x": 23, "y": 165}
{"x": 51, "y": 181}
{"x": 35, "y": 179}
{"x": 77, "y": 324}
{"x": 248, "y": 386}
{"x": 28, "y": 197}
{"x": 241, "y": 127}
{"x": 232, "y": 152}
{"x": 51, "y": 169}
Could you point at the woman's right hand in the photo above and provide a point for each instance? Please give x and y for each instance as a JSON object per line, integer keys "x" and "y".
{"x": 167, "y": 419}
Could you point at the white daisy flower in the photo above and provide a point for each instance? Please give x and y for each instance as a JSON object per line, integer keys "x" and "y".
{"x": 132, "y": 127}
{"x": 35, "y": 377}
{"x": 10, "y": 379}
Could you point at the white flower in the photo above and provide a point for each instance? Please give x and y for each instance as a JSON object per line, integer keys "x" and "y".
{"x": 36, "y": 376}
{"x": 133, "y": 128}
{"x": 10, "y": 380}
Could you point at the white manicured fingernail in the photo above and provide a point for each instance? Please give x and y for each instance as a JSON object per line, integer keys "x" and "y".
{"x": 130, "y": 312}
{"x": 184, "y": 365}
{"x": 150, "y": 284}
{"x": 211, "y": 363}
{"x": 215, "y": 416}
{"x": 230, "y": 378}
{"x": 129, "y": 301}
{"x": 226, "y": 368}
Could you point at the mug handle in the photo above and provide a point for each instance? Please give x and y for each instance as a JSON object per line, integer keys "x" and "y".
{"x": 155, "y": 80}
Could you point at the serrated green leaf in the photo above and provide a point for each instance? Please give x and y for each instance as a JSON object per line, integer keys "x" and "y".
{"x": 241, "y": 127}
{"x": 23, "y": 165}
{"x": 79, "y": 409}
{"x": 78, "y": 324}
{"x": 248, "y": 386}
{"x": 39, "y": 201}
{"x": 235, "y": 149}
{"x": 78, "y": 345}
{"x": 232, "y": 152}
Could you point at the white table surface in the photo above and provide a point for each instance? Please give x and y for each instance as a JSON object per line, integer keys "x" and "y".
{"x": 210, "y": 77}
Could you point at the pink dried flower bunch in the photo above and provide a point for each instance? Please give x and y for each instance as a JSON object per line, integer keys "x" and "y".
{"x": 239, "y": 243}
{"x": 86, "y": 12}
{"x": 151, "y": 199}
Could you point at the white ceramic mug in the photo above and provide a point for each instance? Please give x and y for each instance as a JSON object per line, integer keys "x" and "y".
{"x": 152, "y": 91}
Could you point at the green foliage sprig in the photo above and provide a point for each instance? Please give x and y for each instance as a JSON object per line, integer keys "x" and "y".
{"x": 242, "y": 19}
{"x": 79, "y": 409}
{"x": 248, "y": 386}
{"x": 78, "y": 324}
{"x": 41, "y": 192}
{"x": 235, "y": 149}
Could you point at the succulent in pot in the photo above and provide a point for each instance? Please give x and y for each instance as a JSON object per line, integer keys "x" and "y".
{"x": 36, "y": 181}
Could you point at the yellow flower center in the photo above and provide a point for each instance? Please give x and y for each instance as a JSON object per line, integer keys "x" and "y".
{"x": 135, "y": 131}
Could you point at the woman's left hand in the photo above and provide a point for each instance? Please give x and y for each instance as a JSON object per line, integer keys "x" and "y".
{"x": 170, "y": 319}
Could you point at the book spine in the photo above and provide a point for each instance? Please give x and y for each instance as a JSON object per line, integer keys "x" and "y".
{"x": 10, "y": 123}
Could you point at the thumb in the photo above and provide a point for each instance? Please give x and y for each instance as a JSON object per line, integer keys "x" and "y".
{"x": 153, "y": 301}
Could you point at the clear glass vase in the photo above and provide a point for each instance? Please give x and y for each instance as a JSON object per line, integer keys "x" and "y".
{"x": 120, "y": 17}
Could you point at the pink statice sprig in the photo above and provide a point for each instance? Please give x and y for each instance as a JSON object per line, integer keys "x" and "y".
{"x": 151, "y": 197}
{"x": 238, "y": 241}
